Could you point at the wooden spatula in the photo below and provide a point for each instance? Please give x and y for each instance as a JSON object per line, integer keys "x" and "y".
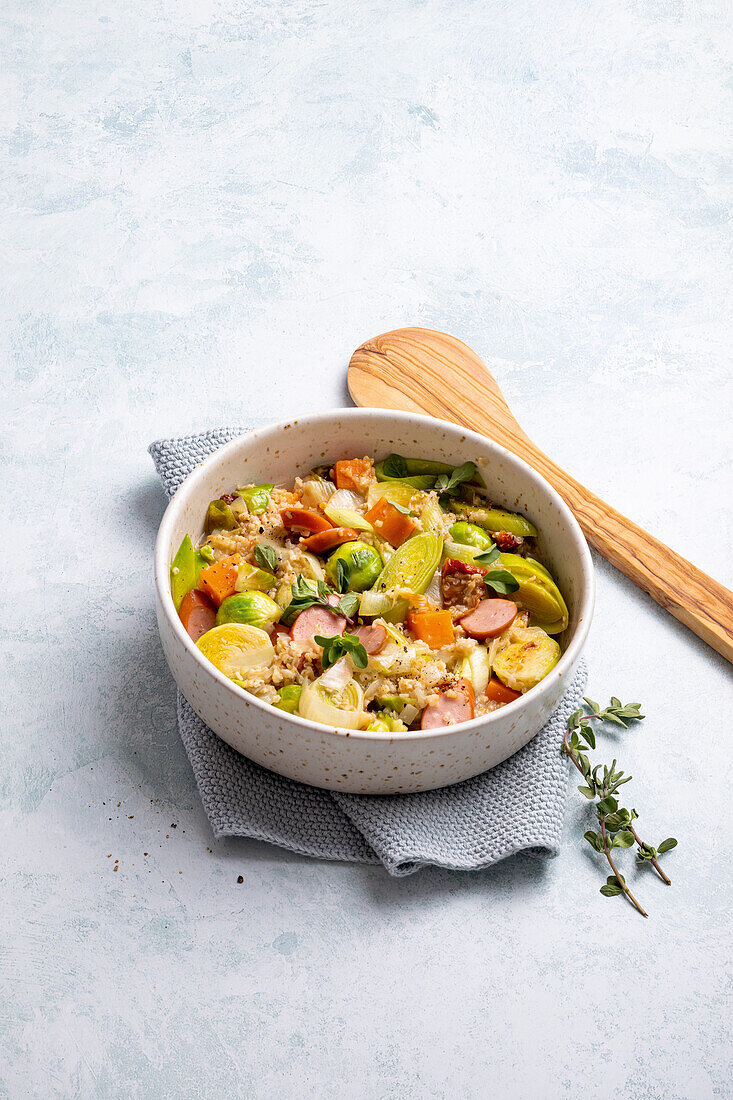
{"x": 420, "y": 370}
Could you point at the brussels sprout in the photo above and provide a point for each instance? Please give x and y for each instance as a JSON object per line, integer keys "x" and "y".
{"x": 537, "y": 593}
{"x": 523, "y": 663}
{"x": 249, "y": 577}
{"x": 251, "y": 608}
{"x": 256, "y": 497}
{"x": 495, "y": 519}
{"x": 219, "y": 514}
{"x": 362, "y": 562}
{"x": 289, "y": 698}
{"x": 235, "y": 647}
{"x": 470, "y": 535}
{"x": 384, "y": 722}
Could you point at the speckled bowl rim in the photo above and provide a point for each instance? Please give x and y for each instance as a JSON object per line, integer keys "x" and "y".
{"x": 322, "y": 420}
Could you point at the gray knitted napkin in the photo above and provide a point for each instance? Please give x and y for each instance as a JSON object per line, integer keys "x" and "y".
{"x": 517, "y": 806}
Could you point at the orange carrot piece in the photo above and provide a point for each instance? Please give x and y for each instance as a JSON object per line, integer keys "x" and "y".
{"x": 303, "y": 519}
{"x": 389, "y": 522}
{"x": 353, "y": 473}
{"x": 435, "y": 628}
{"x": 218, "y": 580}
{"x": 326, "y": 540}
{"x": 500, "y": 693}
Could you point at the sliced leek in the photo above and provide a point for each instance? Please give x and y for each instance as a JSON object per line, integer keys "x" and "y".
{"x": 343, "y": 708}
{"x": 495, "y": 519}
{"x": 410, "y": 569}
{"x": 347, "y": 517}
{"x": 477, "y": 668}
{"x": 396, "y": 492}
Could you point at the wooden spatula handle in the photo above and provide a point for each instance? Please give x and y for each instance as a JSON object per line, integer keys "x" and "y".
{"x": 698, "y": 601}
{"x": 421, "y": 370}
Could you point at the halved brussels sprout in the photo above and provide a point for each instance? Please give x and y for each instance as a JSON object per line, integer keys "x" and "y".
{"x": 342, "y": 708}
{"x": 522, "y": 664}
{"x": 219, "y": 514}
{"x": 495, "y": 519}
{"x": 411, "y": 567}
{"x": 249, "y": 577}
{"x": 252, "y": 608}
{"x": 289, "y": 698}
{"x": 470, "y": 535}
{"x": 235, "y": 647}
{"x": 537, "y": 593}
{"x": 363, "y": 565}
{"x": 256, "y": 497}
{"x": 385, "y": 722}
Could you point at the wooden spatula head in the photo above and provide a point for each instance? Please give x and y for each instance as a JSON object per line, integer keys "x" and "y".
{"x": 420, "y": 370}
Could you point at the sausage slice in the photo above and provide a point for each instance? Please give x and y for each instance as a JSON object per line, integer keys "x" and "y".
{"x": 197, "y": 613}
{"x": 455, "y": 704}
{"x": 373, "y": 638}
{"x": 317, "y": 620}
{"x": 489, "y": 618}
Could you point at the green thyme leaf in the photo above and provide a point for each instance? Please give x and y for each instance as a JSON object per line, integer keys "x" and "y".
{"x": 394, "y": 466}
{"x": 667, "y": 845}
{"x": 488, "y": 556}
{"x": 339, "y": 646}
{"x": 501, "y": 581}
{"x": 266, "y": 558}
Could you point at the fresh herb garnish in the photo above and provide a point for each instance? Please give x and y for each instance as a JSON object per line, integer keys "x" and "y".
{"x": 488, "y": 556}
{"x": 394, "y": 466}
{"x": 266, "y": 558}
{"x": 602, "y": 783}
{"x": 401, "y": 508}
{"x": 447, "y": 484}
{"x": 304, "y": 595}
{"x": 339, "y": 646}
{"x": 348, "y": 605}
{"x": 343, "y": 572}
{"x": 501, "y": 581}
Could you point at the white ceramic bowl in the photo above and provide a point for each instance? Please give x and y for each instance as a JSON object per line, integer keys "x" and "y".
{"x": 355, "y": 760}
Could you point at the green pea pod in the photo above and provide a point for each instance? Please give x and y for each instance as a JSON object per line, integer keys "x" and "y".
{"x": 495, "y": 519}
{"x": 470, "y": 535}
{"x": 256, "y": 497}
{"x": 183, "y": 571}
{"x": 289, "y": 698}
{"x": 419, "y": 481}
{"x": 219, "y": 514}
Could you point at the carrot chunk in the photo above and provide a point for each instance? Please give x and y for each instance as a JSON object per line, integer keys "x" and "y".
{"x": 304, "y": 520}
{"x": 389, "y": 522}
{"x": 435, "y": 628}
{"x": 218, "y": 580}
{"x": 326, "y": 540}
{"x": 500, "y": 693}
{"x": 353, "y": 473}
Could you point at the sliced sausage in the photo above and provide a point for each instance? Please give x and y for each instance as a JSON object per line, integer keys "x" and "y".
{"x": 455, "y": 704}
{"x": 303, "y": 520}
{"x": 197, "y": 613}
{"x": 489, "y": 618}
{"x": 373, "y": 638}
{"x": 317, "y": 620}
{"x": 326, "y": 540}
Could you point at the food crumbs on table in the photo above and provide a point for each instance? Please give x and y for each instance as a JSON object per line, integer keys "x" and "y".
{"x": 240, "y": 879}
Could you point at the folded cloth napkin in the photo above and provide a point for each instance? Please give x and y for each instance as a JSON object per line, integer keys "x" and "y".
{"x": 518, "y": 806}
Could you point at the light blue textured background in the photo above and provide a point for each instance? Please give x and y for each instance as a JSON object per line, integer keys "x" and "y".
{"x": 205, "y": 207}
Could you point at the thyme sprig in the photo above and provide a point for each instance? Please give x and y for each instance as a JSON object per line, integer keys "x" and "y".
{"x": 602, "y": 784}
